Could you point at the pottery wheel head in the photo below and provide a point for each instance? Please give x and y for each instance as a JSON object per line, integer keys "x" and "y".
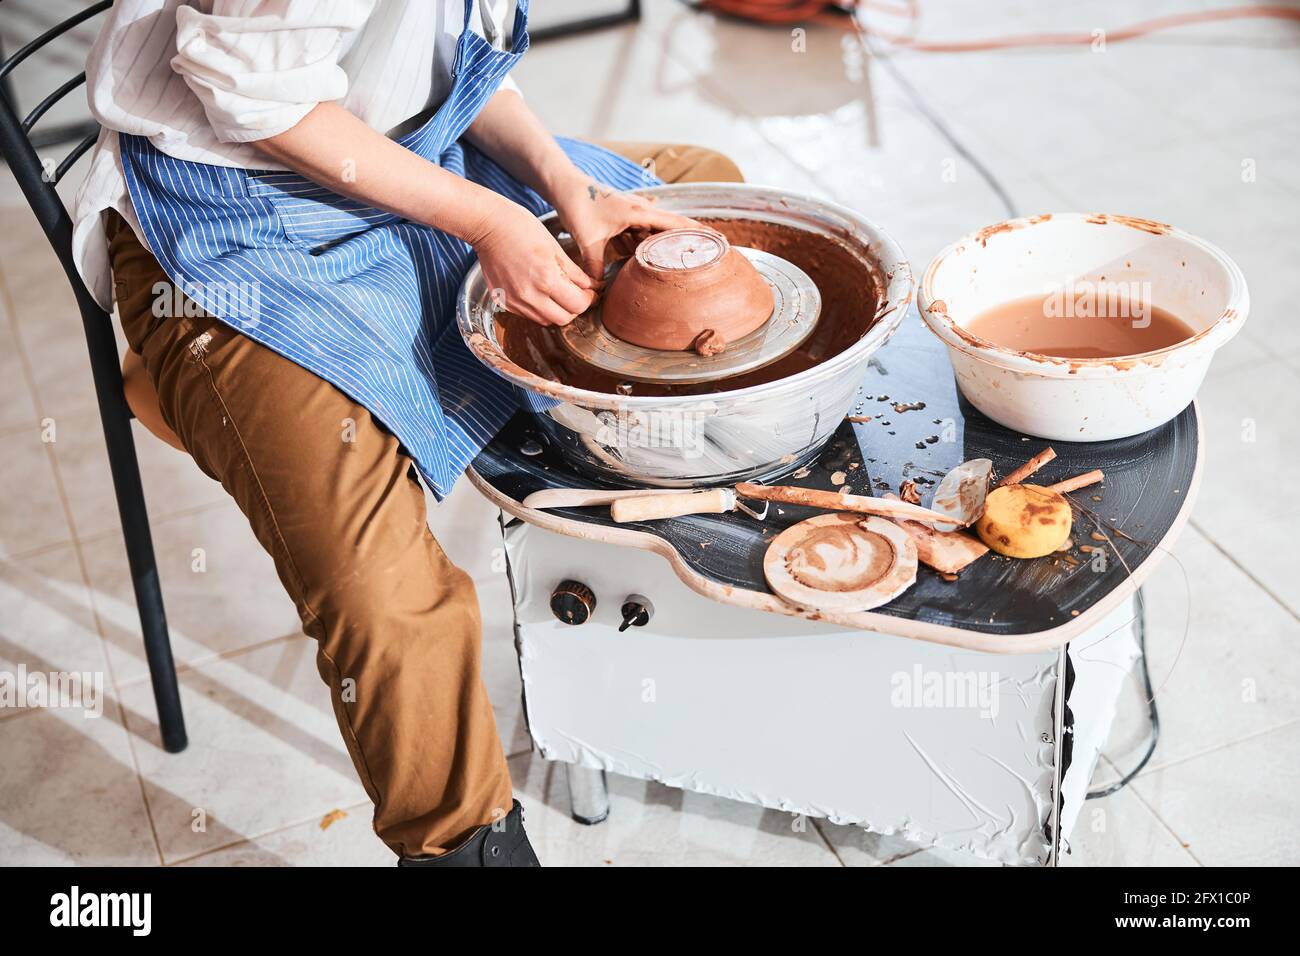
{"x": 796, "y": 304}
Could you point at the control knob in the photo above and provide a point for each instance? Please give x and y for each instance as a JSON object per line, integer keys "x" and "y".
{"x": 637, "y": 611}
{"x": 573, "y": 602}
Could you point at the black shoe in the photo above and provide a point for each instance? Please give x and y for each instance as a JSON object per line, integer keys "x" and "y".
{"x": 503, "y": 843}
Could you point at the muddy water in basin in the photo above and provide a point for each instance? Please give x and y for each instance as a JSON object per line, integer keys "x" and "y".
{"x": 1083, "y": 328}
{"x": 850, "y": 292}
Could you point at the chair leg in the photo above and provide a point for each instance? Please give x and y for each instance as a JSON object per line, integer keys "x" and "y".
{"x": 144, "y": 572}
{"x": 157, "y": 642}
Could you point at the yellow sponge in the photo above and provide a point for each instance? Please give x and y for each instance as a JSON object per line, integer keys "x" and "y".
{"x": 1025, "y": 521}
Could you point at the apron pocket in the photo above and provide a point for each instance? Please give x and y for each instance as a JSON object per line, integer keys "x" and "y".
{"x": 311, "y": 213}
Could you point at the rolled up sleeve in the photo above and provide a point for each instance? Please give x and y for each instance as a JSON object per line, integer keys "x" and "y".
{"x": 494, "y": 20}
{"x": 260, "y": 66}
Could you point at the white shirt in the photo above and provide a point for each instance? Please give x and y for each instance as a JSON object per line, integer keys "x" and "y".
{"x": 202, "y": 79}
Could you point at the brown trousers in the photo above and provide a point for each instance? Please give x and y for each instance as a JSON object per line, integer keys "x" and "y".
{"x": 333, "y": 497}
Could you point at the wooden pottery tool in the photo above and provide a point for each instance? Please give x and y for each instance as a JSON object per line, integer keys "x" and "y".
{"x": 1094, "y": 477}
{"x": 1018, "y": 475}
{"x": 837, "y": 501}
{"x": 841, "y": 562}
{"x": 948, "y": 552}
{"x": 584, "y": 497}
{"x": 715, "y": 501}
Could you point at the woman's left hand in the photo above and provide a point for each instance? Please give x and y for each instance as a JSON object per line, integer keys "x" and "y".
{"x": 593, "y": 214}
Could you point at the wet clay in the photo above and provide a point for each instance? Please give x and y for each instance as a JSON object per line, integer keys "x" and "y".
{"x": 686, "y": 289}
{"x": 850, "y": 290}
{"x": 709, "y": 342}
{"x": 1079, "y": 328}
{"x": 840, "y": 558}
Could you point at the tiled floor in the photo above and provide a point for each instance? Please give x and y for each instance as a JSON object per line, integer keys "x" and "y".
{"x": 1162, "y": 127}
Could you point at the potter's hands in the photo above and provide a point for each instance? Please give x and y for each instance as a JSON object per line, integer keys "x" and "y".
{"x": 527, "y": 271}
{"x": 594, "y": 214}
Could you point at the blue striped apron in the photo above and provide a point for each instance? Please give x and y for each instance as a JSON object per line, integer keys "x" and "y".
{"x": 360, "y": 297}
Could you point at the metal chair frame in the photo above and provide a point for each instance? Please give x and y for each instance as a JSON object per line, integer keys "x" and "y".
{"x": 18, "y": 145}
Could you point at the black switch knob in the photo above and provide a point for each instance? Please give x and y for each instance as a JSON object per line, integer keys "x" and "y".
{"x": 636, "y": 611}
{"x": 573, "y": 602}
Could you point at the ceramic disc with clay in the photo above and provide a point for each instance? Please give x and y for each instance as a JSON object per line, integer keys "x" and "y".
{"x": 841, "y": 562}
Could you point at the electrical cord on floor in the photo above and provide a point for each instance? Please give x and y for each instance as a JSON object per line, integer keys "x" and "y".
{"x": 1151, "y": 705}
{"x": 922, "y": 107}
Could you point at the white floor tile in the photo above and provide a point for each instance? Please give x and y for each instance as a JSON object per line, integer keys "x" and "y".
{"x": 69, "y": 792}
{"x": 1213, "y": 82}
{"x": 1223, "y": 656}
{"x": 872, "y": 158}
{"x": 46, "y": 618}
{"x": 172, "y": 482}
{"x": 1154, "y": 182}
{"x": 45, "y": 318}
{"x": 1268, "y": 145}
{"x": 1235, "y": 806}
{"x": 264, "y": 753}
{"x": 632, "y": 89}
{"x": 347, "y": 841}
{"x": 1121, "y": 830}
{"x": 1249, "y": 493}
{"x": 33, "y": 515}
{"x": 1044, "y": 110}
{"x": 1243, "y": 351}
{"x": 17, "y": 411}
{"x": 1274, "y": 285}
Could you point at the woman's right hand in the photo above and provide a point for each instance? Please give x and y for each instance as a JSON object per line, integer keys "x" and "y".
{"x": 527, "y": 271}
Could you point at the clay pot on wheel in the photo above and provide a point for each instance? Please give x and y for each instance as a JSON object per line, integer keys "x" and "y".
{"x": 686, "y": 289}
